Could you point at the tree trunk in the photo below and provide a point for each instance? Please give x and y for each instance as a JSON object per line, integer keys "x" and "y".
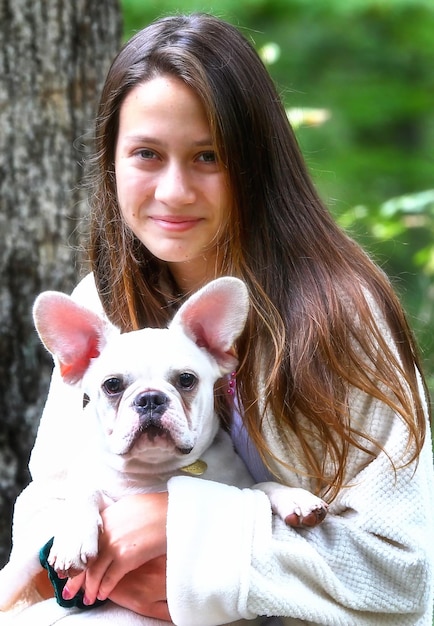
{"x": 54, "y": 55}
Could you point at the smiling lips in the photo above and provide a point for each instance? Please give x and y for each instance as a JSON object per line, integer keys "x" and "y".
{"x": 175, "y": 224}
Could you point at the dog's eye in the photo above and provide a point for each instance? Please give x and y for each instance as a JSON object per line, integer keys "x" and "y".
{"x": 113, "y": 386}
{"x": 187, "y": 381}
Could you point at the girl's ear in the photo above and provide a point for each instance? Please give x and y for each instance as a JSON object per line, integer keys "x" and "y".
{"x": 214, "y": 317}
{"x": 72, "y": 333}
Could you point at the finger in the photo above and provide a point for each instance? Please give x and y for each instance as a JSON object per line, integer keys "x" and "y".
{"x": 73, "y": 586}
{"x": 135, "y": 602}
{"x": 144, "y": 590}
{"x": 95, "y": 574}
{"x": 108, "y": 580}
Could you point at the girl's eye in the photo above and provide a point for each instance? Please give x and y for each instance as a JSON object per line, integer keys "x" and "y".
{"x": 146, "y": 154}
{"x": 208, "y": 157}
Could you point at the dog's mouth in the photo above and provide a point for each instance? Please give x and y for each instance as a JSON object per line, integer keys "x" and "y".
{"x": 154, "y": 431}
{"x": 155, "y": 428}
{"x": 157, "y": 434}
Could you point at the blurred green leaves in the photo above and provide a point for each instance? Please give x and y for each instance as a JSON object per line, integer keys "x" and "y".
{"x": 394, "y": 218}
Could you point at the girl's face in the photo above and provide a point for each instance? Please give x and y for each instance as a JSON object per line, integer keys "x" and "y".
{"x": 171, "y": 189}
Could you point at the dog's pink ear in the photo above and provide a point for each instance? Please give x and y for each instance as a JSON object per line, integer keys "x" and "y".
{"x": 72, "y": 333}
{"x": 214, "y": 317}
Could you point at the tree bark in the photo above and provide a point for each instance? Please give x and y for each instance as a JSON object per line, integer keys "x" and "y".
{"x": 53, "y": 58}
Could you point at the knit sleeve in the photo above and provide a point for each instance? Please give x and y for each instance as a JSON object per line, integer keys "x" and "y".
{"x": 369, "y": 563}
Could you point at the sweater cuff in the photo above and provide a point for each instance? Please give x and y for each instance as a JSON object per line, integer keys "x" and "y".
{"x": 212, "y": 530}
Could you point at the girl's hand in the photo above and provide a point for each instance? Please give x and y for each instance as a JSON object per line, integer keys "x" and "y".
{"x": 144, "y": 590}
{"x": 134, "y": 534}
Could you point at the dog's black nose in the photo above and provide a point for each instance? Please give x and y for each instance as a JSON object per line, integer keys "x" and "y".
{"x": 151, "y": 403}
{"x": 151, "y": 406}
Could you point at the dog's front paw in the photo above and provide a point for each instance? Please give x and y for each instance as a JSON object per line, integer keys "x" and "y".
{"x": 297, "y": 507}
{"x": 71, "y": 551}
{"x": 310, "y": 515}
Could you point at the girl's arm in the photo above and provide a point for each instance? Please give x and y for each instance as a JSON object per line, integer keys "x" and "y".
{"x": 369, "y": 562}
{"x": 228, "y": 557}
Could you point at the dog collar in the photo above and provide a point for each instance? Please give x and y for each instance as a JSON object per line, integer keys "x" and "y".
{"x": 197, "y": 468}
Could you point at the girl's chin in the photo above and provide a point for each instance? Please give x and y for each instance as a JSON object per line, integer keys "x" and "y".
{"x": 172, "y": 258}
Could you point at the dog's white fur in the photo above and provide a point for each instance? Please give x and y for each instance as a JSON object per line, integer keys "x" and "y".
{"x": 150, "y": 413}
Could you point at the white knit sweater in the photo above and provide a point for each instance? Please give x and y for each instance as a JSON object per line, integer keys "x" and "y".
{"x": 370, "y": 562}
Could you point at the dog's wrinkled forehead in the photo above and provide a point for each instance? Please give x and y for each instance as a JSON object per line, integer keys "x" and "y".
{"x": 154, "y": 353}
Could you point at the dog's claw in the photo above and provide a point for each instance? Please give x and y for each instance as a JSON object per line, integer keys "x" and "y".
{"x": 74, "y": 571}
{"x": 312, "y": 519}
{"x": 69, "y": 572}
{"x": 67, "y": 567}
{"x": 69, "y": 561}
{"x": 66, "y": 570}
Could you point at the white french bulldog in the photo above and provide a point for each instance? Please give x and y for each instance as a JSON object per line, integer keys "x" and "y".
{"x": 151, "y": 409}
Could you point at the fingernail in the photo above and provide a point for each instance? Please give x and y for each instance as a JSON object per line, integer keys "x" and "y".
{"x": 66, "y": 594}
{"x": 86, "y": 601}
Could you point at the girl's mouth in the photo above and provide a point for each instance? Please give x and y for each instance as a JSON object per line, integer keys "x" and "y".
{"x": 175, "y": 224}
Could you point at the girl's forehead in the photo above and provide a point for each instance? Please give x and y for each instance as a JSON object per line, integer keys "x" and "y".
{"x": 161, "y": 107}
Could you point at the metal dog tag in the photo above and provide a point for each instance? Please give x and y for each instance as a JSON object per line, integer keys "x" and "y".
{"x": 197, "y": 468}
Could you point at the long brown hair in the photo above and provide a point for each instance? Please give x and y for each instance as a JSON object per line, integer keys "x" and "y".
{"x": 315, "y": 294}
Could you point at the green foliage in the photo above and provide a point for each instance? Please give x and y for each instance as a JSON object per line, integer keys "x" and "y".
{"x": 400, "y": 233}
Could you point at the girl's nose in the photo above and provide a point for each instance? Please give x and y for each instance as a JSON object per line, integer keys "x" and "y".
{"x": 175, "y": 186}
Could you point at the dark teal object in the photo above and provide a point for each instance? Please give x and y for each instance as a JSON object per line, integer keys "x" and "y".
{"x": 59, "y": 583}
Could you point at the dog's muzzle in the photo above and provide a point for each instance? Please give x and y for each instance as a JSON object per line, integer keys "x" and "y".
{"x": 151, "y": 403}
{"x": 151, "y": 406}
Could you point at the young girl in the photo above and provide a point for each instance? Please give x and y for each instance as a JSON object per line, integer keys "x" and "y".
{"x": 198, "y": 175}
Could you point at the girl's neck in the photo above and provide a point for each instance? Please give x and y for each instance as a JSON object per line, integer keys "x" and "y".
{"x": 191, "y": 275}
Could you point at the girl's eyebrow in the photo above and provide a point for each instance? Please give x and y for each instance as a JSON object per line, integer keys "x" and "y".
{"x": 206, "y": 141}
